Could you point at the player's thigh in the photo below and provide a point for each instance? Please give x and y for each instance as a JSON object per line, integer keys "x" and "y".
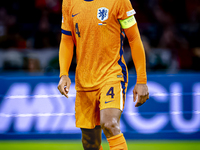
{"x": 113, "y": 95}
{"x": 111, "y": 116}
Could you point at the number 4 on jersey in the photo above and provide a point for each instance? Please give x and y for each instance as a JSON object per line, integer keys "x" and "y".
{"x": 111, "y": 92}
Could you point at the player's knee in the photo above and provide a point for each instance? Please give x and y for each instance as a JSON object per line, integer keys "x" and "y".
{"x": 110, "y": 127}
{"x": 90, "y": 144}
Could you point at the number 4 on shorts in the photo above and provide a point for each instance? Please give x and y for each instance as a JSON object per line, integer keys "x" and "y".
{"x": 111, "y": 92}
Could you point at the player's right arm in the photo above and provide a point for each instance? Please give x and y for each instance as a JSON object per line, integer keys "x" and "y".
{"x": 65, "y": 58}
{"x": 66, "y": 50}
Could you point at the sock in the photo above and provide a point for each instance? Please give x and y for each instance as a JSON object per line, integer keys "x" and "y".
{"x": 117, "y": 142}
{"x": 101, "y": 148}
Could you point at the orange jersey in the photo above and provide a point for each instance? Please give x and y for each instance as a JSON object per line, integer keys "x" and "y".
{"x": 97, "y": 34}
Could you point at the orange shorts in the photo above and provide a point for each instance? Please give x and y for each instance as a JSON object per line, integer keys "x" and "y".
{"x": 89, "y": 103}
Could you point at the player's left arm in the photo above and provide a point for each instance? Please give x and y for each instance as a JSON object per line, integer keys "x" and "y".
{"x": 137, "y": 51}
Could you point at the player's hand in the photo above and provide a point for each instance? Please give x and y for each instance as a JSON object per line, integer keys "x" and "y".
{"x": 140, "y": 90}
{"x": 64, "y": 85}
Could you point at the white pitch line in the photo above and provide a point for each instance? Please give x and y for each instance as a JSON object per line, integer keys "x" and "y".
{"x": 36, "y": 96}
{"x": 74, "y": 95}
{"x": 36, "y": 115}
{"x": 72, "y": 114}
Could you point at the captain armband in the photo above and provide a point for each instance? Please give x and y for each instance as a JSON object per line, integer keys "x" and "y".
{"x": 128, "y": 22}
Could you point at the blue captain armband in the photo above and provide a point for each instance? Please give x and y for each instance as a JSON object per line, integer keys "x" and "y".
{"x": 128, "y": 22}
{"x": 66, "y": 32}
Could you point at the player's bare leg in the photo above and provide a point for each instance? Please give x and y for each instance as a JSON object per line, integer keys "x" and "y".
{"x": 110, "y": 123}
{"x": 109, "y": 119}
{"x": 91, "y": 138}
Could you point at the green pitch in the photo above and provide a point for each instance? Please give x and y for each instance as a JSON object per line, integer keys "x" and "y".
{"x": 76, "y": 145}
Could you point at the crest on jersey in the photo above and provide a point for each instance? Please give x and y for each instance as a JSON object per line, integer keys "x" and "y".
{"x": 102, "y": 13}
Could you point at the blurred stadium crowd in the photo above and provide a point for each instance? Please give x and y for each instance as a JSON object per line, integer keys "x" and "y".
{"x": 30, "y": 35}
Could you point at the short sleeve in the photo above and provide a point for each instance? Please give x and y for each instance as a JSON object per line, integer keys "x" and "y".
{"x": 125, "y": 9}
{"x": 66, "y": 25}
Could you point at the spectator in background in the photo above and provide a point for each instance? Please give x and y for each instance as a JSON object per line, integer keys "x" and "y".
{"x": 159, "y": 59}
{"x": 13, "y": 60}
{"x": 177, "y": 45}
{"x": 3, "y": 17}
{"x": 8, "y": 35}
{"x": 32, "y": 63}
{"x": 196, "y": 58}
{"x": 44, "y": 37}
{"x": 53, "y": 5}
{"x": 172, "y": 25}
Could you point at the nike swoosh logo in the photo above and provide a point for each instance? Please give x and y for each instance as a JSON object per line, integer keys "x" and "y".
{"x": 74, "y": 15}
{"x": 106, "y": 102}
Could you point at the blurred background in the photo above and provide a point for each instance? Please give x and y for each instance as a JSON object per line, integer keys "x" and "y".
{"x": 31, "y": 106}
{"x": 30, "y": 35}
